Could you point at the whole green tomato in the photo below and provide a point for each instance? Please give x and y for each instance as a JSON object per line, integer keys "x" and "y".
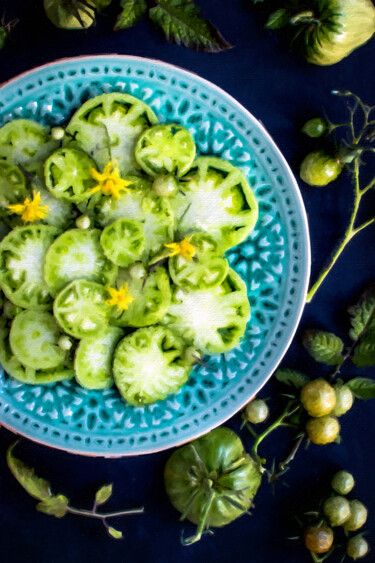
{"x": 70, "y": 14}
{"x": 318, "y": 168}
{"x": 342, "y": 482}
{"x": 357, "y": 547}
{"x": 212, "y": 480}
{"x": 332, "y": 29}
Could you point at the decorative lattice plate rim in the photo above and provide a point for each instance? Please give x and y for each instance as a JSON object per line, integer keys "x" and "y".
{"x": 266, "y": 155}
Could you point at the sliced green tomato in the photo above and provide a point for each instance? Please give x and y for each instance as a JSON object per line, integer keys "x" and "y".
{"x": 164, "y": 149}
{"x": 107, "y": 128}
{"x": 217, "y": 200}
{"x": 93, "y": 360}
{"x": 80, "y": 308}
{"x": 67, "y": 175}
{"x": 143, "y": 205}
{"x": 12, "y": 186}
{"x": 206, "y": 270}
{"x": 77, "y": 254}
{"x": 60, "y": 214}
{"x": 123, "y": 241}
{"x": 25, "y": 142}
{"x": 34, "y": 339}
{"x": 151, "y": 298}
{"x": 148, "y": 365}
{"x": 214, "y": 321}
{"x": 22, "y": 256}
{"x": 27, "y": 374}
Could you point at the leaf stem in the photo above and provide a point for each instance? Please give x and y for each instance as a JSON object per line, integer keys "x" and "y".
{"x": 92, "y": 514}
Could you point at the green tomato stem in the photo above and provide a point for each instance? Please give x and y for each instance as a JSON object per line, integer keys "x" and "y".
{"x": 200, "y": 529}
{"x": 92, "y": 514}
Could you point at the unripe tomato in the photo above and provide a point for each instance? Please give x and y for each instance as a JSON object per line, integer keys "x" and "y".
{"x": 318, "y": 397}
{"x": 257, "y": 411}
{"x": 342, "y": 482}
{"x": 319, "y": 169}
{"x": 316, "y": 127}
{"x": 344, "y": 399}
{"x": 166, "y": 185}
{"x": 357, "y": 547}
{"x": 358, "y": 516}
{"x": 323, "y": 430}
{"x": 318, "y": 539}
{"x": 337, "y": 510}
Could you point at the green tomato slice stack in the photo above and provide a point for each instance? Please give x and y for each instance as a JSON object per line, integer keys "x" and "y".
{"x": 148, "y": 367}
{"x": 77, "y": 254}
{"x": 164, "y": 149}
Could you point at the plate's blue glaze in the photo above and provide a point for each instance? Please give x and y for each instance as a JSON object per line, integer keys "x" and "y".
{"x": 274, "y": 262}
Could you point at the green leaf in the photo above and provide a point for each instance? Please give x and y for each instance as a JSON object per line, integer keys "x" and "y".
{"x": 181, "y": 23}
{"x": 278, "y": 19}
{"x": 25, "y": 475}
{"x": 364, "y": 353}
{"x": 101, "y": 4}
{"x": 362, "y": 387}
{"x": 292, "y": 377}
{"x": 324, "y": 347}
{"x": 115, "y": 533}
{"x": 103, "y": 494}
{"x": 54, "y": 506}
{"x": 363, "y": 313}
{"x": 132, "y": 11}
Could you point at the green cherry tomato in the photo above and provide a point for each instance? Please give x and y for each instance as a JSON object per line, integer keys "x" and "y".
{"x": 165, "y": 185}
{"x": 342, "y": 482}
{"x": 319, "y": 169}
{"x": 344, "y": 399}
{"x": 358, "y": 516}
{"x": 212, "y": 480}
{"x": 316, "y": 127}
{"x": 323, "y": 430}
{"x": 318, "y": 397}
{"x": 357, "y": 547}
{"x": 318, "y": 539}
{"x": 257, "y": 411}
{"x": 337, "y": 510}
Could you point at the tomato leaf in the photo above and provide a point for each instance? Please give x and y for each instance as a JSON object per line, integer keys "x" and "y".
{"x": 25, "y": 475}
{"x": 364, "y": 353}
{"x": 362, "y": 387}
{"x": 278, "y": 19}
{"x": 292, "y": 377}
{"x": 101, "y": 4}
{"x": 54, "y": 506}
{"x": 363, "y": 313}
{"x": 103, "y": 494}
{"x": 132, "y": 11}
{"x": 182, "y": 23}
{"x": 115, "y": 533}
{"x": 324, "y": 347}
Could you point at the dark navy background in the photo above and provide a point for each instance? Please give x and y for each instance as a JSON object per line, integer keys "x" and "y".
{"x": 282, "y": 91}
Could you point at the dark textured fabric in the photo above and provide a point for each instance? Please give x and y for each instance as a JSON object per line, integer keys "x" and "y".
{"x": 282, "y": 91}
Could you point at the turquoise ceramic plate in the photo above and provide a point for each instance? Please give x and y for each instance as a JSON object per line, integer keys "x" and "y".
{"x": 274, "y": 262}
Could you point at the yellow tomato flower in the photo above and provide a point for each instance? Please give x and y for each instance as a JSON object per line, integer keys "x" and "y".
{"x": 31, "y": 209}
{"x": 109, "y": 182}
{"x": 120, "y": 297}
{"x": 185, "y": 248}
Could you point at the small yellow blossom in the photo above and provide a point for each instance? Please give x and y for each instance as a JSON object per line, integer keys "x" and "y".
{"x": 120, "y": 297}
{"x": 109, "y": 182}
{"x": 185, "y": 248}
{"x": 31, "y": 209}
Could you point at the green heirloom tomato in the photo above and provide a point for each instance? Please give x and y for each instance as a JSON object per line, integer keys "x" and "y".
{"x": 27, "y": 374}
{"x": 214, "y": 321}
{"x": 332, "y": 29}
{"x": 212, "y": 480}
{"x": 319, "y": 169}
{"x": 67, "y": 175}
{"x": 25, "y": 142}
{"x": 22, "y": 256}
{"x": 74, "y": 255}
{"x": 70, "y": 14}
{"x": 164, "y": 149}
{"x": 107, "y": 128}
{"x": 218, "y": 200}
{"x": 81, "y": 309}
{"x": 148, "y": 365}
